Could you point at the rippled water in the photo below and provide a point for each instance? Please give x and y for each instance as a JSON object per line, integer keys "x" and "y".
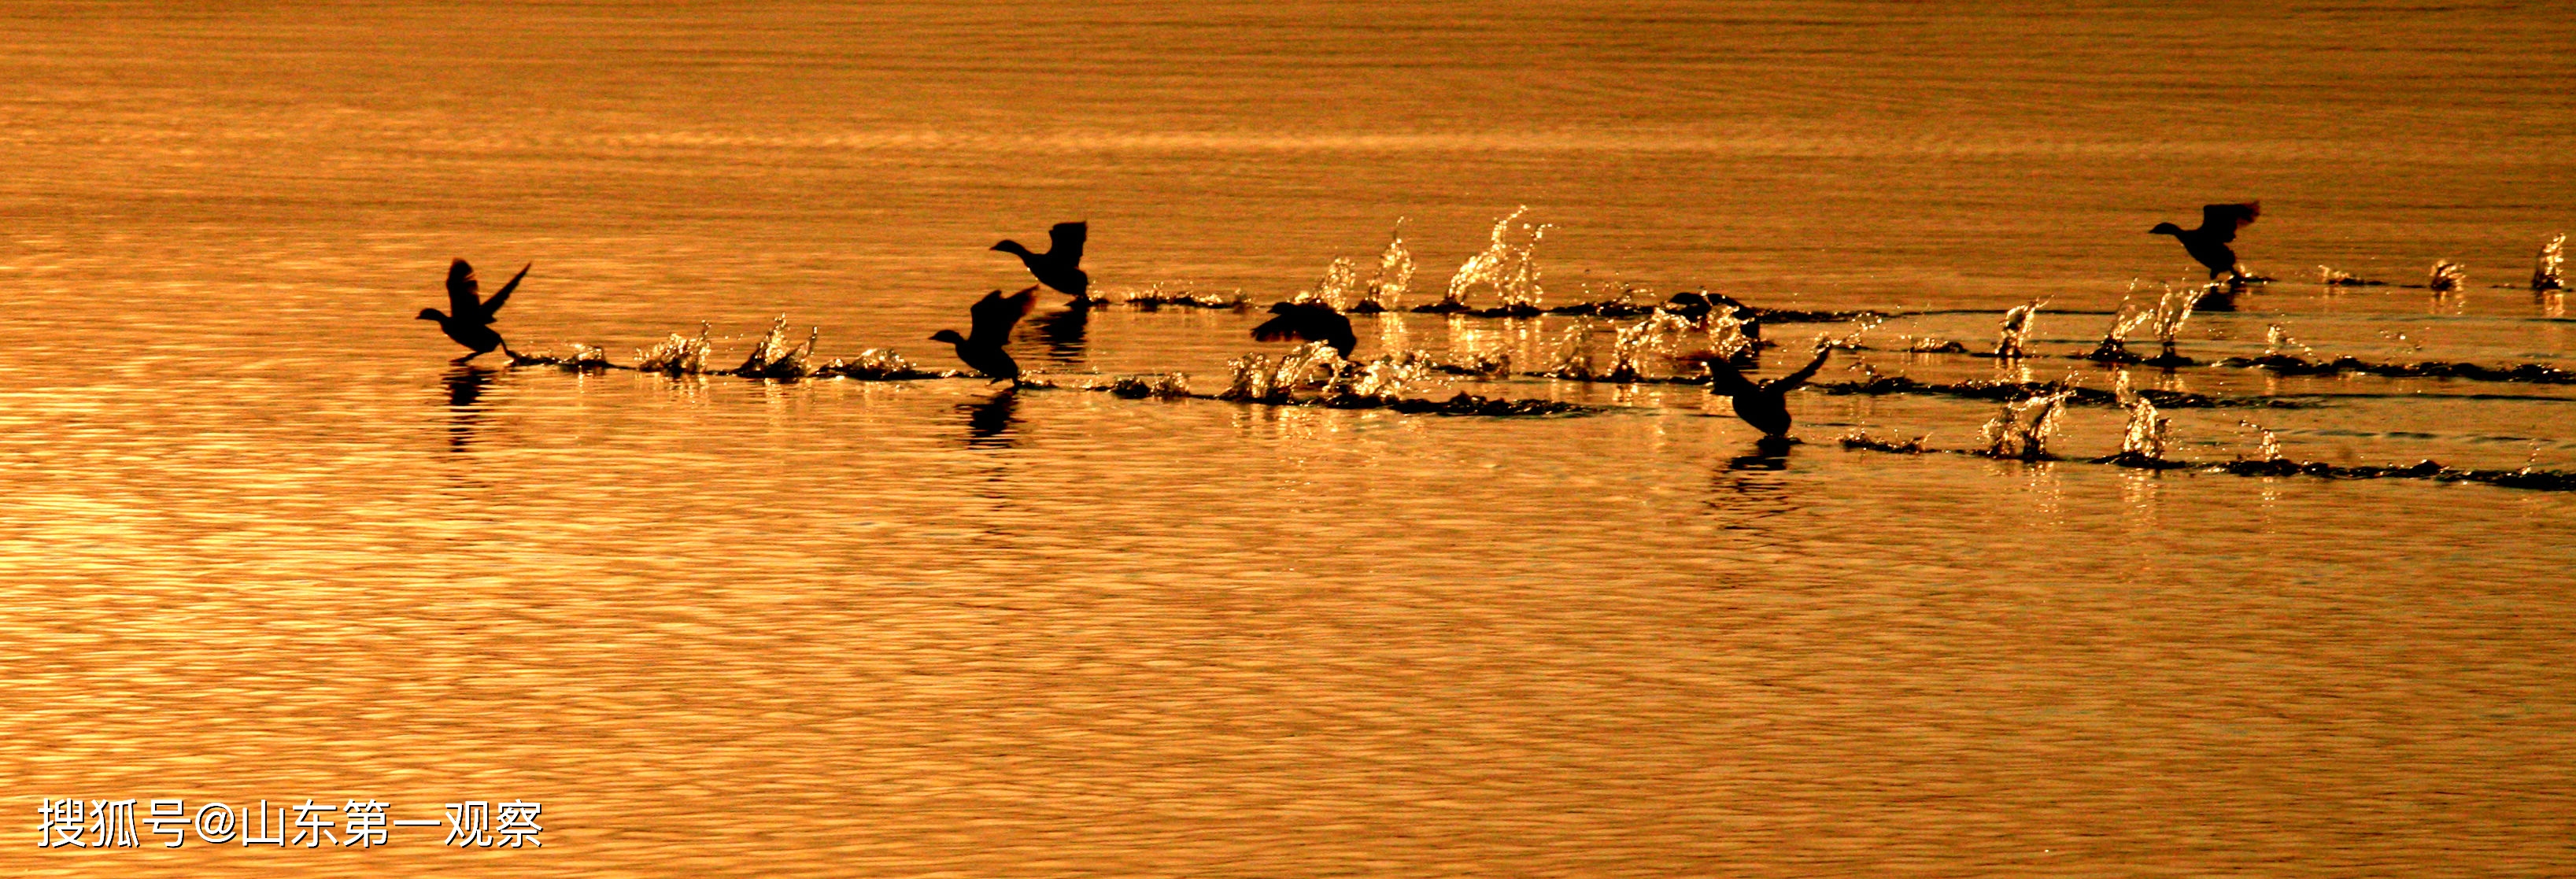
{"x": 264, "y": 542}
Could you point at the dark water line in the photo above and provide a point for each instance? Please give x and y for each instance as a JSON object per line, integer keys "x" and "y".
{"x": 2526, "y": 478}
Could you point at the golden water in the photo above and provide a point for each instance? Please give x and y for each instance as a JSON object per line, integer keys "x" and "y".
{"x": 260, "y": 541}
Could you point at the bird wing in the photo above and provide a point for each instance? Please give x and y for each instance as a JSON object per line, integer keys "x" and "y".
{"x": 2224, "y": 219}
{"x": 995, "y": 314}
{"x": 1068, "y": 242}
{"x": 461, "y": 287}
{"x": 1790, "y": 382}
{"x": 493, "y": 305}
{"x": 1296, "y": 320}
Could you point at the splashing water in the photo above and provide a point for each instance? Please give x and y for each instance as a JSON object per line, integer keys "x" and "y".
{"x": 2013, "y": 340}
{"x": 1258, "y": 379}
{"x": 2448, "y": 277}
{"x": 2277, "y": 337}
{"x": 2267, "y": 448}
{"x": 1341, "y": 280}
{"x": 2022, "y": 430}
{"x": 1657, "y": 334}
{"x": 874, "y": 364}
{"x": 1394, "y": 275}
{"x": 677, "y": 355}
{"x": 1504, "y": 268}
{"x": 2173, "y": 309}
{"x": 1730, "y": 335}
{"x": 2545, "y": 269}
{"x": 1391, "y": 374}
{"x": 771, "y": 358}
{"x": 2126, "y": 319}
{"x": 1168, "y": 386}
{"x": 583, "y": 358}
{"x": 1573, "y": 357}
{"x": 2144, "y": 436}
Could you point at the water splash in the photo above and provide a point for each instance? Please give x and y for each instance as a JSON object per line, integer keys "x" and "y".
{"x": 583, "y": 358}
{"x": 2448, "y": 277}
{"x": 1732, "y": 334}
{"x": 2546, "y": 267}
{"x": 2012, "y": 341}
{"x": 1394, "y": 278}
{"x": 2267, "y": 448}
{"x": 2143, "y": 439}
{"x": 1574, "y": 351}
{"x": 772, "y": 358}
{"x": 2277, "y": 337}
{"x": 1341, "y": 281}
{"x": 1658, "y": 334}
{"x": 677, "y": 355}
{"x": 2126, "y": 319}
{"x": 873, "y": 364}
{"x": 1506, "y": 269}
{"x": 2022, "y": 430}
{"x": 1168, "y": 386}
{"x": 2173, "y": 309}
{"x": 1257, "y": 379}
{"x": 1154, "y": 297}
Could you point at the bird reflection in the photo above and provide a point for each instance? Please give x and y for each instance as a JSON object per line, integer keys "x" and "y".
{"x": 1769, "y": 453}
{"x": 993, "y": 423}
{"x": 1063, "y": 331}
{"x": 1749, "y": 490}
{"x": 465, "y": 386}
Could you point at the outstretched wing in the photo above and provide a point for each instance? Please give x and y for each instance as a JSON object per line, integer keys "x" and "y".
{"x": 1790, "y": 382}
{"x": 461, "y": 287}
{"x": 493, "y": 305}
{"x": 2224, "y": 219}
{"x": 1068, "y": 242}
{"x": 1308, "y": 321}
{"x": 996, "y": 314}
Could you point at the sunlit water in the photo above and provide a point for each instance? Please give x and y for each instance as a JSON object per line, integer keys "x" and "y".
{"x": 263, "y": 542}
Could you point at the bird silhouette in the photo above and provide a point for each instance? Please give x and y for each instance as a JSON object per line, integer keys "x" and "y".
{"x": 1764, "y": 405}
{"x": 471, "y": 323}
{"x": 1061, "y": 266}
{"x": 2218, "y": 226}
{"x": 1311, "y": 321}
{"x": 981, "y": 347}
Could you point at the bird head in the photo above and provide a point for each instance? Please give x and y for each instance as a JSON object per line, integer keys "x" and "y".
{"x": 2165, "y": 229}
{"x": 948, "y": 336}
{"x": 430, "y": 314}
{"x": 1009, "y": 246}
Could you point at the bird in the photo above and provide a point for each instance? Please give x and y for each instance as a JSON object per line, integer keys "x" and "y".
{"x": 1061, "y": 266}
{"x": 1764, "y": 405}
{"x": 2218, "y": 226}
{"x": 1311, "y": 321}
{"x": 471, "y": 323}
{"x": 981, "y": 347}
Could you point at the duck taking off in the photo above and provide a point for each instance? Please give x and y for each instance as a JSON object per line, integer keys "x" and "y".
{"x": 1310, "y": 321}
{"x": 1764, "y": 405}
{"x": 470, "y": 322}
{"x": 2219, "y": 224}
{"x": 981, "y": 347}
{"x": 1061, "y": 266}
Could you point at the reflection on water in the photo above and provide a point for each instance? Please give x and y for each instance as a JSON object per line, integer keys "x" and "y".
{"x": 993, "y": 423}
{"x": 830, "y": 628}
{"x": 465, "y": 384}
{"x": 1062, "y": 331}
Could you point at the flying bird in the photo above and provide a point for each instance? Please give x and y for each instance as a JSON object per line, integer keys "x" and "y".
{"x": 2219, "y": 224}
{"x": 1061, "y": 266}
{"x": 1764, "y": 405}
{"x": 1311, "y": 321}
{"x": 981, "y": 348}
{"x": 470, "y": 324}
